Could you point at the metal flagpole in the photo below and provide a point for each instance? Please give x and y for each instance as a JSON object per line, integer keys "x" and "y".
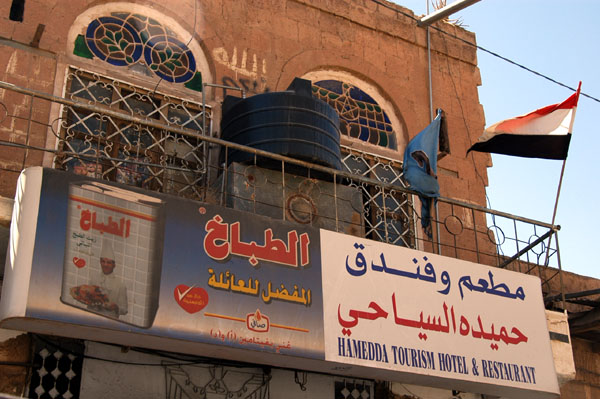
{"x": 425, "y": 22}
{"x": 562, "y": 173}
{"x": 432, "y": 117}
{"x": 547, "y": 260}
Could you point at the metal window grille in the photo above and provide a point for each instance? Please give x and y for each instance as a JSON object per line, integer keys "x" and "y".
{"x": 101, "y": 145}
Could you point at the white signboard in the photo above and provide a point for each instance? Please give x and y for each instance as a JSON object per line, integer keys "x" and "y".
{"x": 395, "y": 308}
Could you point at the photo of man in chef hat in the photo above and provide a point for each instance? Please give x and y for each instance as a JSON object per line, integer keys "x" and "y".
{"x": 110, "y": 284}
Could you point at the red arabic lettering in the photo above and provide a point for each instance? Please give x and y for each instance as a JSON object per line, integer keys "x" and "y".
{"x": 88, "y": 221}
{"x": 216, "y": 241}
{"x": 223, "y": 239}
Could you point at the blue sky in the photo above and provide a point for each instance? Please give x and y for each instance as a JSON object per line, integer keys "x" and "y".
{"x": 558, "y": 39}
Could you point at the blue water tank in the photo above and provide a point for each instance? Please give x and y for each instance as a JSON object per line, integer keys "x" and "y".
{"x": 291, "y": 123}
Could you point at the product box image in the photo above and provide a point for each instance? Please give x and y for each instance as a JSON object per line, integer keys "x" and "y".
{"x": 113, "y": 252}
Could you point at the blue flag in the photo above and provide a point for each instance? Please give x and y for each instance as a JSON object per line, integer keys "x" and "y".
{"x": 420, "y": 168}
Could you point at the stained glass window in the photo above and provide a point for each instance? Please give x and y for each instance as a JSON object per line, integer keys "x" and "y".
{"x": 124, "y": 39}
{"x": 361, "y": 116}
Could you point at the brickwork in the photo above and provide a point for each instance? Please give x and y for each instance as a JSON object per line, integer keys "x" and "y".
{"x": 261, "y": 45}
{"x": 13, "y": 378}
{"x": 587, "y": 380}
{"x": 36, "y": 70}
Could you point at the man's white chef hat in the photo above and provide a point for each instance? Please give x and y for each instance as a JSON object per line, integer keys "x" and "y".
{"x": 107, "y": 250}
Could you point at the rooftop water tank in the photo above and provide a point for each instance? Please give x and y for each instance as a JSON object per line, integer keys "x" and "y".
{"x": 291, "y": 123}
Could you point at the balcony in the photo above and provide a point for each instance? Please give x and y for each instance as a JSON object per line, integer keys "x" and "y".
{"x": 115, "y": 131}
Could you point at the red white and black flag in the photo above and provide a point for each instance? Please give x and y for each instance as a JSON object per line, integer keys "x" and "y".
{"x": 543, "y": 133}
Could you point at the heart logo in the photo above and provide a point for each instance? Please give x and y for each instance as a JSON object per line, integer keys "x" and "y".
{"x": 191, "y": 299}
{"x": 79, "y": 262}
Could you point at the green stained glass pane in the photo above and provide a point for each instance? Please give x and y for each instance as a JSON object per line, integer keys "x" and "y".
{"x": 81, "y": 49}
{"x": 195, "y": 83}
{"x": 383, "y": 139}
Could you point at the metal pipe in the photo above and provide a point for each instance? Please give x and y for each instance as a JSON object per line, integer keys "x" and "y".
{"x": 429, "y": 70}
{"x": 431, "y": 116}
{"x": 445, "y": 11}
{"x": 204, "y": 86}
{"x": 573, "y": 295}
{"x": 28, "y": 130}
{"x": 526, "y": 249}
{"x": 335, "y": 198}
{"x": 96, "y": 158}
{"x": 475, "y": 232}
{"x": 384, "y": 206}
{"x": 560, "y": 276}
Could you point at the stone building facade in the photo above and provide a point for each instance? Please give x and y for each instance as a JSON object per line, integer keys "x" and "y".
{"x": 366, "y": 57}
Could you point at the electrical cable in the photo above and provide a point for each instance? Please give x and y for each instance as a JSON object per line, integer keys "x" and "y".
{"x": 487, "y": 51}
{"x": 198, "y": 360}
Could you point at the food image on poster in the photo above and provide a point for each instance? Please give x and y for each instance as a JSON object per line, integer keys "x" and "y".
{"x": 113, "y": 252}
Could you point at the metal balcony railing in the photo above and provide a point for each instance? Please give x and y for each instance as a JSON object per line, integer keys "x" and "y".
{"x": 114, "y": 131}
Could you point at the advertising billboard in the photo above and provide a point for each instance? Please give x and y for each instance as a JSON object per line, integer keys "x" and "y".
{"x": 103, "y": 261}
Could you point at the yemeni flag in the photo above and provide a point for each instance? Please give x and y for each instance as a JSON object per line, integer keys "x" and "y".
{"x": 543, "y": 133}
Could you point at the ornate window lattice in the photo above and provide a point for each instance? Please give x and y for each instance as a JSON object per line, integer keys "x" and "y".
{"x": 360, "y": 115}
{"x": 387, "y": 214}
{"x": 57, "y": 369}
{"x": 125, "y": 39}
{"x": 103, "y": 146}
{"x": 353, "y": 389}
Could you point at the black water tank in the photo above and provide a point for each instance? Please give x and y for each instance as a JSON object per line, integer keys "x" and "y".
{"x": 291, "y": 123}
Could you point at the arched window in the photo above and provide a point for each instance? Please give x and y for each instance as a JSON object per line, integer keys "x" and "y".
{"x": 367, "y": 117}
{"x": 140, "y": 40}
{"x": 360, "y": 115}
{"x": 122, "y": 52}
{"x": 364, "y": 113}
